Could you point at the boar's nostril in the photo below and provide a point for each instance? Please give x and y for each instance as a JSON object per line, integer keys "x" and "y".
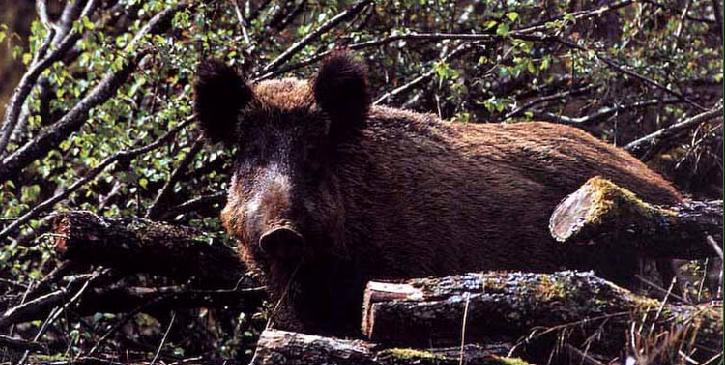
{"x": 282, "y": 242}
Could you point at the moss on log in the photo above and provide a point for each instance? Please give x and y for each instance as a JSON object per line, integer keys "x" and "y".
{"x": 289, "y": 348}
{"x": 603, "y": 213}
{"x": 420, "y": 312}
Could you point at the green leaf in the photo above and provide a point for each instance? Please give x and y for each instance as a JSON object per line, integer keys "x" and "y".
{"x": 87, "y": 23}
{"x": 502, "y": 29}
{"x": 512, "y": 16}
{"x": 545, "y": 63}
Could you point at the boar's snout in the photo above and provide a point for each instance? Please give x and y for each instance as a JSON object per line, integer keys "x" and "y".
{"x": 282, "y": 242}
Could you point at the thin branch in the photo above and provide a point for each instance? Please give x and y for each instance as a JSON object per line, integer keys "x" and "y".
{"x": 19, "y": 344}
{"x": 89, "y": 176}
{"x": 32, "y": 309}
{"x": 601, "y": 112}
{"x": 196, "y": 204}
{"x": 168, "y": 189}
{"x": 322, "y": 29}
{"x": 413, "y": 83}
{"x": 440, "y": 36}
{"x": 583, "y": 14}
{"x": 561, "y": 95}
{"x": 613, "y": 65}
{"x": 652, "y": 139}
{"x": 163, "y": 339}
{"x": 242, "y": 20}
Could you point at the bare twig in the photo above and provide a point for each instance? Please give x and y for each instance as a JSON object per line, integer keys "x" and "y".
{"x": 242, "y": 20}
{"x": 163, "y": 339}
{"x": 322, "y": 29}
{"x": 31, "y": 309}
{"x": 20, "y": 344}
{"x": 424, "y": 76}
{"x": 652, "y": 139}
{"x": 601, "y": 112}
{"x": 442, "y": 36}
{"x": 167, "y": 190}
{"x": 197, "y": 203}
{"x": 560, "y": 95}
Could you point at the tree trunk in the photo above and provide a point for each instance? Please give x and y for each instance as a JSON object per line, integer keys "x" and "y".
{"x": 279, "y": 347}
{"x": 135, "y": 245}
{"x": 540, "y": 306}
{"x": 603, "y": 213}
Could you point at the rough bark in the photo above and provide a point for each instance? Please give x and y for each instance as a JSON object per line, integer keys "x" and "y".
{"x": 573, "y": 305}
{"x": 603, "y": 213}
{"x": 279, "y": 347}
{"x": 136, "y": 245}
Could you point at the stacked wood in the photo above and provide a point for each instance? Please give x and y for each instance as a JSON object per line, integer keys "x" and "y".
{"x": 279, "y": 347}
{"x": 426, "y": 321}
{"x": 438, "y": 311}
{"x": 603, "y": 213}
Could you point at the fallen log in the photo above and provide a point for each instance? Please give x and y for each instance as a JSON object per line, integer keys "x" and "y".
{"x": 280, "y": 347}
{"x": 102, "y": 296}
{"x": 603, "y": 213}
{"x": 538, "y": 307}
{"x": 137, "y": 245}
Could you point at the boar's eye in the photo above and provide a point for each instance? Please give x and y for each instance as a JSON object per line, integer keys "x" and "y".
{"x": 219, "y": 93}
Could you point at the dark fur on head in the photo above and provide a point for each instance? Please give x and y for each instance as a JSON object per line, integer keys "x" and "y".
{"x": 341, "y": 90}
{"x": 219, "y": 93}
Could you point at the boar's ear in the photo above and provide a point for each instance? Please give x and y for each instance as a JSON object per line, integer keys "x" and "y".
{"x": 219, "y": 93}
{"x": 341, "y": 90}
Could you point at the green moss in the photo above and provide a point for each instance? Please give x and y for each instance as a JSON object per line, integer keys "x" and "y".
{"x": 410, "y": 354}
{"x": 548, "y": 289}
{"x": 492, "y": 284}
{"x": 511, "y": 361}
{"x": 609, "y": 199}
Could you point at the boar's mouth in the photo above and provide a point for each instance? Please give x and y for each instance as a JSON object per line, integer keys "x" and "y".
{"x": 282, "y": 241}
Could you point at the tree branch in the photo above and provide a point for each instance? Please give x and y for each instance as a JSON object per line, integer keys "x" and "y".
{"x": 162, "y": 199}
{"x": 322, "y": 29}
{"x": 651, "y": 140}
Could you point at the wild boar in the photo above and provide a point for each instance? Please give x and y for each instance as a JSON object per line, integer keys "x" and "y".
{"x": 328, "y": 191}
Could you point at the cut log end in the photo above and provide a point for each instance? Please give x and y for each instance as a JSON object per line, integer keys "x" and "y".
{"x": 571, "y": 214}
{"x": 602, "y": 213}
{"x": 377, "y": 292}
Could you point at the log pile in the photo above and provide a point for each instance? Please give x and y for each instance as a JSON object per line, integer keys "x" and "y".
{"x": 102, "y": 253}
{"x": 536, "y": 307}
{"x": 501, "y": 318}
{"x": 478, "y": 318}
